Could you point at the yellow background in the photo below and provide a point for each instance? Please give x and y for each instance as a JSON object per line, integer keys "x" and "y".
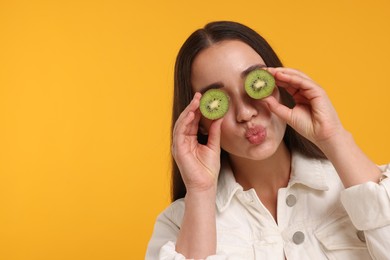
{"x": 85, "y": 101}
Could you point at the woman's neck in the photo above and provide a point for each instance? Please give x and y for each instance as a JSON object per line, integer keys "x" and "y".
{"x": 267, "y": 175}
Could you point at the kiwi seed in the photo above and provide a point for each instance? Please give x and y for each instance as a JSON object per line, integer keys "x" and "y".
{"x": 259, "y": 84}
{"x": 214, "y": 104}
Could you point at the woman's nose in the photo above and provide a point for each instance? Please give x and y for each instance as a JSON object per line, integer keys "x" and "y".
{"x": 245, "y": 110}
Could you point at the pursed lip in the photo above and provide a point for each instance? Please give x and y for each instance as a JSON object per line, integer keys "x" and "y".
{"x": 256, "y": 134}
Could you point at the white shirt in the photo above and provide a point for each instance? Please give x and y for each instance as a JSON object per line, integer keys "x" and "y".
{"x": 316, "y": 219}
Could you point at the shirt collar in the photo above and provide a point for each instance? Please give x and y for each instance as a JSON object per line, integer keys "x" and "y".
{"x": 306, "y": 171}
{"x": 227, "y": 186}
{"x": 309, "y": 172}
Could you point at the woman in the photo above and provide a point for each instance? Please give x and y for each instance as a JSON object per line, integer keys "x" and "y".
{"x": 274, "y": 178}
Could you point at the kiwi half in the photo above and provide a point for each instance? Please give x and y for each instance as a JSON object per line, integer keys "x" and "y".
{"x": 259, "y": 84}
{"x": 214, "y": 104}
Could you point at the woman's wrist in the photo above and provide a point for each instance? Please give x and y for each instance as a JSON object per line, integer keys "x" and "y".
{"x": 197, "y": 236}
{"x": 352, "y": 165}
{"x": 333, "y": 143}
{"x": 201, "y": 195}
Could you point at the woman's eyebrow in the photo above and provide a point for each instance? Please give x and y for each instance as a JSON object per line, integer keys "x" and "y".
{"x": 215, "y": 85}
{"x": 251, "y": 68}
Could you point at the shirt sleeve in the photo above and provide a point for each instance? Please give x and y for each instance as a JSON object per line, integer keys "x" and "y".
{"x": 162, "y": 245}
{"x": 368, "y": 206}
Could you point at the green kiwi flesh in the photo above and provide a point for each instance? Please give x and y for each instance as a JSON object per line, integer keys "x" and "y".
{"x": 259, "y": 84}
{"x": 214, "y": 104}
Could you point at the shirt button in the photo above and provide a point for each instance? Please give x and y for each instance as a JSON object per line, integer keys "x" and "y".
{"x": 361, "y": 236}
{"x": 298, "y": 237}
{"x": 291, "y": 200}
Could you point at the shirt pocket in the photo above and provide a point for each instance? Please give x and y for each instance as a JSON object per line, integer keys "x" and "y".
{"x": 235, "y": 242}
{"x": 235, "y": 252}
{"x": 341, "y": 240}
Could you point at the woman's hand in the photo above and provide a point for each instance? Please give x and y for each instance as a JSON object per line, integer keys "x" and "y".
{"x": 199, "y": 167}
{"x": 313, "y": 115}
{"x": 199, "y": 164}
{"x": 315, "y": 118}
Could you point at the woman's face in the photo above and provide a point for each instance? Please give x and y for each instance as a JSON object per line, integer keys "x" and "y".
{"x": 249, "y": 129}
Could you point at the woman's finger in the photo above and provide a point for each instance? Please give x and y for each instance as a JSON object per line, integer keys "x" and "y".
{"x": 288, "y": 71}
{"x": 298, "y": 87}
{"x": 188, "y": 114}
{"x": 186, "y": 126}
{"x": 279, "y": 109}
{"x": 292, "y": 80}
{"x": 214, "y": 138}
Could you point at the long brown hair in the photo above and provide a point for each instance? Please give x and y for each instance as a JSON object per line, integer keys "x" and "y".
{"x": 201, "y": 39}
